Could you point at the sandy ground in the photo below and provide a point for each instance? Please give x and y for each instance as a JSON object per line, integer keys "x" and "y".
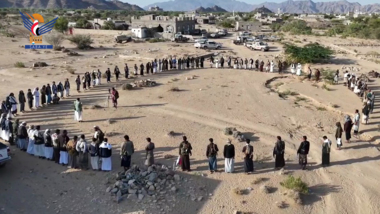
{"x": 215, "y": 99}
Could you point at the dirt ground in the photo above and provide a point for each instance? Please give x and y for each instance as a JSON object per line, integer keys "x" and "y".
{"x": 204, "y": 106}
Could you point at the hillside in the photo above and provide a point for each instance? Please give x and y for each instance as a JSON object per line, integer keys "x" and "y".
{"x": 289, "y": 6}
{"x": 72, "y": 4}
{"x": 214, "y": 9}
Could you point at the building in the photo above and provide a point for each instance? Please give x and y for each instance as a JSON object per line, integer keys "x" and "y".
{"x": 184, "y": 25}
{"x": 248, "y": 26}
{"x": 72, "y": 24}
{"x": 206, "y": 20}
{"x": 98, "y": 23}
{"x": 140, "y": 32}
{"x": 155, "y": 8}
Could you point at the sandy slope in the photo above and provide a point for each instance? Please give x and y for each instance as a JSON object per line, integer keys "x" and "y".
{"x": 227, "y": 98}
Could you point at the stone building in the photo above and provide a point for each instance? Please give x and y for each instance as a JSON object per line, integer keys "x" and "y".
{"x": 155, "y": 8}
{"x": 248, "y": 26}
{"x": 184, "y": 25}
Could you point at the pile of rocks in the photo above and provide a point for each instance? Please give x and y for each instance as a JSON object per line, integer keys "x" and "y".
{"x": 235, "y": 133}
{"x": 138, "y": 182}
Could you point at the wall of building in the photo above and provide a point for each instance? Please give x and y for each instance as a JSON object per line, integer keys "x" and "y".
{"x": 248, "y": 26}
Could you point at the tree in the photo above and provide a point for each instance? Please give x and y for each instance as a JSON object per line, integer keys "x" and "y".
{"x": 297, "y": 27}
{"x": 61, "y": 25}
{"x": 81, "y": 41}
{"x": 228, "y": 23}
{"x": 310, "y": 53}
{"x": 108, "y": 25}
{"x": 275, "y": 26}
{"x": 81, "y": 23}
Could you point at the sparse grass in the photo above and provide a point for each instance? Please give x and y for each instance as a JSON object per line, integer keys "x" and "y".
{"x": 297, "y": 41}
{"x": 154, "y": 40}
{"x": 321, "y": 108}
{"x": 238, "y": 191}
{"x": 19, "y": 65}
{"x": 325, "y": 87}
{"x": 278, "y": 84}
{"x": 335, "y": 106}
{"x": 328, "y": 76}
{"x": 174, "y": 89}
{"x": 295, "y": 184}
{"x": 259, "y": 180}
{"x": 287, "y": 93}
{"x": 299, "y": 99}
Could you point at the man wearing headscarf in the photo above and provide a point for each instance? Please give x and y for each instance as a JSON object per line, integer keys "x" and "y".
{"x": 82, "y": 149}
{"x": 63, "y": 139}
{"x": 31, "y": 140}
{"x": 73, "y": 153}
{"x": 48, "y": 145}
{"x": 229, "y": 157}
{"x": 348, "y": 127}
{"x": 14, "y": 133}
{"x": 94, "y": 153}
{"x": 105, "y": 153}
{"x": 39, "y": 144}
{"x": 36, "y": 98}
{"x": 54, "y": 138}
{"x": 338, "y": 135}
{"x": 185, "y": 153}
{"x": 248, "y": 157}
{"x": 78, "y": 110}
{"x": 278, "y": 153}
{"x": 356, "y": 123}
{"x": 13, "y": 104}
{"x": 303, "y": 151}
{"x": 22, "y": 137}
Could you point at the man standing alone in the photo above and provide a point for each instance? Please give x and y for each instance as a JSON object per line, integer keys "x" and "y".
{"x": 229, "y": 157}
{"x": 78, "y": 110}
{"x": 127, "y": 149}
{"x": 211, "y": 152}
{"x": 185, "y": 153}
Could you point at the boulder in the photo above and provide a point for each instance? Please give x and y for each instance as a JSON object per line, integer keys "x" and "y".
{"x": 39, "y": 64}
{"x": 177, "y": 177}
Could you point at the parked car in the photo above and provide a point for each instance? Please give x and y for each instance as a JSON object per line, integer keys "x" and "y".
{"x": 201, "y": 40}
{"x": 257, "y": 46}
{"x": 4, "y": 154}
{"x": 208, "y": 45}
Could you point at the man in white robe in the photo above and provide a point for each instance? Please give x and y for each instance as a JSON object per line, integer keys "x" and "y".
{"x": 39, "y": 145}
{"x": 36, "y": 95}
{"x": 78, "y": 110}
{"x": 105, "y": 153}
{"x": 30, "y": 149}
{"x": 13, "y": 104}
{"x": 272, "y": 66}
{"x": 293, "y": 68}
{"x": 299, "y": 69}
{"x": 229, "y": 157}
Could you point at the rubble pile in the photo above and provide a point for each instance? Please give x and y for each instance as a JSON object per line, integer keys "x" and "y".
{"x": 235, "y": 133}
{"x": 155, "y": 181}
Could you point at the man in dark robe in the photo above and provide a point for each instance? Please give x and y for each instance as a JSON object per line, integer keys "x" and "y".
{"x": 142, "y": 69}
{"x": 30, "y": 98}
{"x": 126, "y": 71}
{"x": 170, "y": 63}
{"x": 88, "y": 79}
{"x": 211, "y": 152}
{"x": 222, "y": 62}
{"x": 179, "y": 63}
{"x": 197, "y": 62}
{"x": 279, "y": 67}
{"x": 248, "y": 157}
{"x": 185, "y": 153}
{"x": 229, "y": 62}
{"x": 303, "y": 151}
{"x": 188, "y": 62}
{"x": 202, "y": 61}
{"x": 278, "y": 153}
{"x": 116, "y": 72}
{"x": 317, "y": 75}
{"x": 147, "y": 67}
{"x": 108, "y": 75}
{"x": 257, "y": 64}
{"x": 262, "y": 66}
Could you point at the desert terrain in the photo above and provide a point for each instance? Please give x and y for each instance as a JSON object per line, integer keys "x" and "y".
{"x": 203, "y": 108}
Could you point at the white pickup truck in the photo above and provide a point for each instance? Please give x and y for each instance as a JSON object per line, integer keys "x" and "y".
{"x": 208, "y": 45}
{"x": 257, "y": 46}
{"x": 4, "y": 154}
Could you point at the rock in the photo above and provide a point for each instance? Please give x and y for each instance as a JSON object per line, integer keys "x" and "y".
{"x": 141, "y": 196}
{"x": 118, "y": 197}
{"x": 281, "y": 172}
{"x": 144, "y": 174}
{"x": 152, "y": 177}
{"x": 152, "y": 188}
{"x": 173, "y": 189}
{"x": 109, "y": 189}
{"x": 114, "y": 190}
{"x": 119, "y": 184}
{"x": 177, "y": 177}
{"x": 200, "y": 198}
{"x": 264, "y": 189}
{"x": 132, "y": 191}
{"x": 132, "y": 196}
{"x": 131, "y": 181}
{"x": 39, "y": 64}
{"x": 124, "y": 191}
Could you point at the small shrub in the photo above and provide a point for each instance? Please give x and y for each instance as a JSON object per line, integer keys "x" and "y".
{"x": 174, "y": 89}
{"x": 299, "y": 99}
{"x": 328, "y": 76}
{"x": 321, "y": 108}
{"x": 295, "y": 184}
{"x": 127, "y": 87}
{"x": 297, "y": 41}
{"x": 19, "y": 65}
{"x": 287, "y": 93}
{"x": 54, "y": 39}
{"x": 81, "y": 41}
{"x": 335, "y": 106}
{"x": 278, "y": 84}
{"x": 325, "y": 87}
{"x": 238, "y": 191}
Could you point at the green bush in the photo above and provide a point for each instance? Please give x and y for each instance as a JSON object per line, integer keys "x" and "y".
{"x": 295, "y": 184}
{"x": 19, "y": 65}
{"x": 310, "y": 53}
{"x": 108, "y": 25}
{"x": 297, "y": 27}
{"x": 328, "y": 76}
{"x": 62, "y": 25}
{"x": 81, "y": 41}
{"x": 54, "y": 39}
{"x": 228, "y": 23}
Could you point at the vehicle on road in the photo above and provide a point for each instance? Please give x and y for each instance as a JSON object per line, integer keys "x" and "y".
{"x": 208, "y": 45}
{"x": 179, "y": 38}
{"x": 4, "y": 154}
{"x": 257, "y": 46}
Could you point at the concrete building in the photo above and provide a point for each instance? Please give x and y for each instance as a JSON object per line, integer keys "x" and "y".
{"x": 248, "y": 26}
{"x": 155, "y": 8}
{"x": 118, "y": 23}
{"x": 140, "y": 32}
{"x": 184, "y": 25}
{"x": 206, "y": 20}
